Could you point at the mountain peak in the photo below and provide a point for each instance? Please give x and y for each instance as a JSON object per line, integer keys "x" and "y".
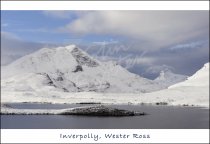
{"x": 81, "y": 57}
{"x": 167, "y": 78}
{"x": 71, "y": 47}
{"x": 66, "y": 48}
{"x": 45, "y": 60}
{"x": 70, "y": 69}
{"x": 164, "y": 74}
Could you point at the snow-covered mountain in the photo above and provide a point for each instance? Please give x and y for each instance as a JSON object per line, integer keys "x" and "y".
{"x": 168, "y": 78}
{"x": 193, "y": 91}
{"x": 69, "y": 75}
{"x": 70, "y": 69}
{"x": 199, "y": 79}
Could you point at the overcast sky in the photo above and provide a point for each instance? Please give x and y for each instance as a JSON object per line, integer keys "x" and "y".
{"x": 144, "y": 42}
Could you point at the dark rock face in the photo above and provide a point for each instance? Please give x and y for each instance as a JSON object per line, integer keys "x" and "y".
{"x": 78, "y": 68}
{"x": 83, "y": 59}
{"x": 49, "y": 80}
{"x": 59, "y": 78}
{"x": 101, "y": 111}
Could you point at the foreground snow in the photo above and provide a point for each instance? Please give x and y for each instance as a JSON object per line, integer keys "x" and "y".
{"x": 197, "y": 96}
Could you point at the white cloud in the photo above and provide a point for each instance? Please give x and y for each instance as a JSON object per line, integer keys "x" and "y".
{"x": 155, "y": 29}
{"x": 196, "y": 44}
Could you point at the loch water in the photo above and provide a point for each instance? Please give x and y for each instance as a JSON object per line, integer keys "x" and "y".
{"x": 158, "y": 117}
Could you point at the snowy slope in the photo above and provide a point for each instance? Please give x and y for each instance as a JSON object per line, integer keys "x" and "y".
{"x": 197, "y": 94}
{"x": 70, "y": 69}
{"x": 168, "y": 78}
{"x": 193, "y": 91}
{"x": 200, "y": 78}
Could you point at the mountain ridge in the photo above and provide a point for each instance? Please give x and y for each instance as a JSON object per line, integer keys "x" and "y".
{"x": 67, "y": 81}
{"x": 72, "y": 70}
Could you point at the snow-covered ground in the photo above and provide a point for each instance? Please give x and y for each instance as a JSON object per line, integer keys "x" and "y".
{"x": 179, "y": 96}
{"x": 69, "y": 75}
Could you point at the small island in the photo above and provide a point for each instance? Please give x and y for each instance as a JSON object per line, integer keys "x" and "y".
{"x": 100, "y": 110}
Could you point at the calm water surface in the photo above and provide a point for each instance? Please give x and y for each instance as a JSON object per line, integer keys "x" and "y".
{"x": 159, "y": 117}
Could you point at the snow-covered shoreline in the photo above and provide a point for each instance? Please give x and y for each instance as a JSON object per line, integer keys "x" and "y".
{"x": 169, "y": 97}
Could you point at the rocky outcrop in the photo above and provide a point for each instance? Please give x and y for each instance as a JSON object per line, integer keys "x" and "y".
{"x": 83, "y": 59}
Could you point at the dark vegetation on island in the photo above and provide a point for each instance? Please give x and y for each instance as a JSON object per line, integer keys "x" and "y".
{"x": 99, "y": 110}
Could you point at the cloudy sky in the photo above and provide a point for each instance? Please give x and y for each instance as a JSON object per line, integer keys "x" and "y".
{"x": 144, "y": 42}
